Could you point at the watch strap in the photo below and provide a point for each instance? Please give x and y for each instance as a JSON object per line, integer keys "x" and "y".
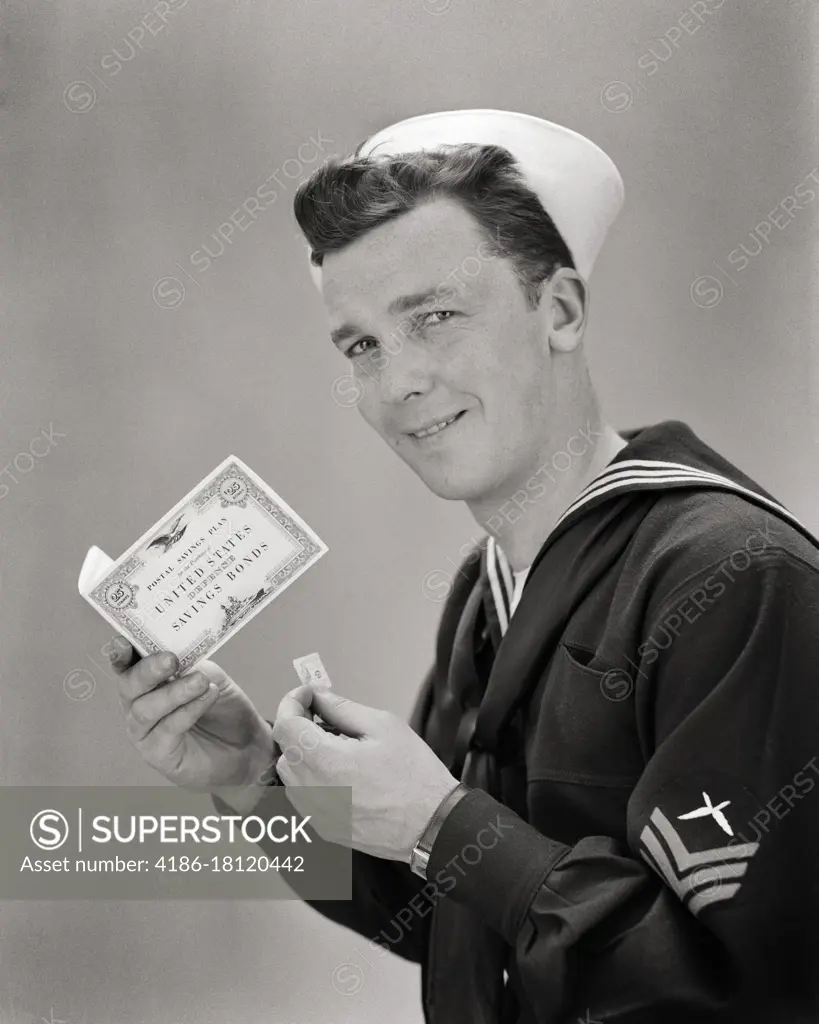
{"x": 419, "y": 858}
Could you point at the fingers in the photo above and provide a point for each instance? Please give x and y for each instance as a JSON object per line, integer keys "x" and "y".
{"x": 296, "y": 703}
{"x": 185, "y": 716}
{"x": 293, "y": 717}
{"x": 284, "y": 771}
{"x": 296, "y": 732}
{"x": 121, "y": 654}
{"x": 215, "y": 673}
{"x": 149, "y": 709}
{"x": 145, "y": 675}
{"x": 356, "y": 720}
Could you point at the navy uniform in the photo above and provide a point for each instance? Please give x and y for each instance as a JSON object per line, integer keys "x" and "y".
{"x": 638, "y": 727}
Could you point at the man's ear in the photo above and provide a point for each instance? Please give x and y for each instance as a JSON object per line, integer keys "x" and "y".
{"x": 568, "y": 295}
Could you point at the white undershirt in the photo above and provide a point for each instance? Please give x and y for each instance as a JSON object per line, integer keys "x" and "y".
{"x": 520, "y": 579}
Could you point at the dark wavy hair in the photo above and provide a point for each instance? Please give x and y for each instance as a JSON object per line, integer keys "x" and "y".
{"x": 344, "y": 198}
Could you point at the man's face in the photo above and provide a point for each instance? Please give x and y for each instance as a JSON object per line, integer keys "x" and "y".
{"x": 474, "y": 350}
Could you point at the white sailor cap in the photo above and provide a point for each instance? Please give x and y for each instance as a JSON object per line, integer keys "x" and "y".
{"x": 577, "y": 183}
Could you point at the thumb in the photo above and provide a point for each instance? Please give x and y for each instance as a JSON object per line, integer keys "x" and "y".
{"x": 295, "y": 703}
{"x": 352, "y": 719}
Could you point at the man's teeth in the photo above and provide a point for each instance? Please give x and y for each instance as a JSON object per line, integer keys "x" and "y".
{"x": 436, "y": 427}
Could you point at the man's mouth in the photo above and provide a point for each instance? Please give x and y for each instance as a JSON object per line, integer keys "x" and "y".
{"x": 437, "y": 427}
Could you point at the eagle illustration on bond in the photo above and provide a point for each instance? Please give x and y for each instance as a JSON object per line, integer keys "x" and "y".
{"x": 167, "y": 540}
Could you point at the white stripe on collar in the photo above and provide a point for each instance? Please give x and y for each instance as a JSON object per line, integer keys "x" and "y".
{"x": 506, "y": 574}
{"x": 498, "y": 592}
{"x": 633, "y": 473}
{"x": 630, "y": 474}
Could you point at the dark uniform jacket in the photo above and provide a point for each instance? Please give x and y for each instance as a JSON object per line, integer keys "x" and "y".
{"x": 641, "y": 841}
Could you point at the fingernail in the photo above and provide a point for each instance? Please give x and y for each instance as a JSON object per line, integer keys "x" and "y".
{"x": 210, "y": 690}
{"x": 195, "y": 683}
{"x": 170, "y": 663}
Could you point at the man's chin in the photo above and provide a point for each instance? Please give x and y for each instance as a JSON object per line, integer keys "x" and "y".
{"x": 451, "y": 487}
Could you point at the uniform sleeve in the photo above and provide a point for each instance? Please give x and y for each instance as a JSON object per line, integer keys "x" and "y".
{"x": 709, "y": 912}
{"x": 380, "y": 888}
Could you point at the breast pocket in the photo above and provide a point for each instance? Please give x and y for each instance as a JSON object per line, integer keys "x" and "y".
{"x": 585, "y": 729}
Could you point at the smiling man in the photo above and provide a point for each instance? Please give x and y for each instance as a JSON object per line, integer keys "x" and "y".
{"x": 464, "y": 389}
{"x": 579, "y": 821}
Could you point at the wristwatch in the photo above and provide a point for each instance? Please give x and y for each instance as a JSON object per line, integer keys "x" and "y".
{"x": 419, "y": 858}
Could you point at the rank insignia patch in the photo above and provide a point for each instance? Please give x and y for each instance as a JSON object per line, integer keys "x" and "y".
{"x": 694, "y": 839}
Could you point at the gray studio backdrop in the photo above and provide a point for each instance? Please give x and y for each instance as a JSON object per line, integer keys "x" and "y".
{"x": 130, "y": 131}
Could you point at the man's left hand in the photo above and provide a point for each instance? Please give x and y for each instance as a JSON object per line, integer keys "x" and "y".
{"x": 397, "y": 781}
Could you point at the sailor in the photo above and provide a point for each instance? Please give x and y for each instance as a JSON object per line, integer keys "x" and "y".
{"x": 601, "y": 808}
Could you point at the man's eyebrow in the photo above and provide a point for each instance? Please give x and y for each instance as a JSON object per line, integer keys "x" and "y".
{"x": 341, "y": 334}
{"x": 403, "y": 304}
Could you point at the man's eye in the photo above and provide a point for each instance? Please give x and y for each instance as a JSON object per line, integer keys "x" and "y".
{"x": 356, "y": 350}
{"x": 436, "y": 312}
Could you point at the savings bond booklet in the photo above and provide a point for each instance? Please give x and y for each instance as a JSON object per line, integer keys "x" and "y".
{"x": 223, "y": 553}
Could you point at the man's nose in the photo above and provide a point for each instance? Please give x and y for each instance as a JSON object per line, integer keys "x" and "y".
{"x": 404, "y": 372}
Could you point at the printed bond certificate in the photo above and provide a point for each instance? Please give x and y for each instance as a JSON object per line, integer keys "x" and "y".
{"x": 206, "y": 568}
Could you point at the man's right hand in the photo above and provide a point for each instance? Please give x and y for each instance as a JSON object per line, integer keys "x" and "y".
{"x": 199, "y": 730}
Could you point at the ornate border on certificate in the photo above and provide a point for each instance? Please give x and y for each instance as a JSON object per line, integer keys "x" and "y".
{"x": 233, "y": 487}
